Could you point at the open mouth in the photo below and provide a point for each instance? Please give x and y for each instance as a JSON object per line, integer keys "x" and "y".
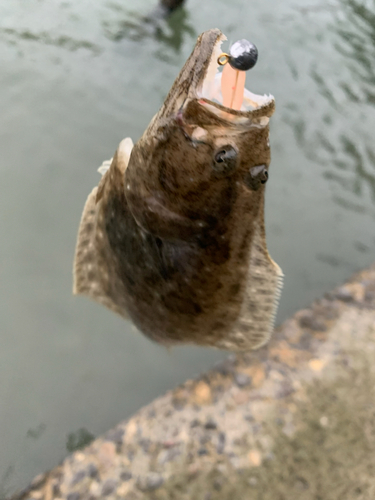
{"x": 197, "y": 91}
{"x": 209, "y": 92}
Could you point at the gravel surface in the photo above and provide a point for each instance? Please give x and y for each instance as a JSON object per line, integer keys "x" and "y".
{"x": 293, "y": 420}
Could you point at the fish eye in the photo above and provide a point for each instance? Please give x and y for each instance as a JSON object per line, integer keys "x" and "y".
{"x": 257, "y": 175}
{"x": 225, "y": 160}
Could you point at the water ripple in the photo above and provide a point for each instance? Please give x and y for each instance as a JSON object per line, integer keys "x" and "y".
{"x": 62, "y": 41}
{"x": 342, "y": 67}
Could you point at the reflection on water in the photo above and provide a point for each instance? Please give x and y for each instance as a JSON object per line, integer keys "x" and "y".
{"x": 168, "y": 30}
{"x": 355, "y": 27}
{"x": 177, "y": 27}
{"x": 324, "y": 89}
{"x": 358, "y": 161}
{"x": 352, "y": 172}
{"x": 341, "y": 141}
{"x": 62, "y": 41}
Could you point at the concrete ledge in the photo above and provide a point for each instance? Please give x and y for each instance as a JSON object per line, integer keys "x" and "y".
{"x": 294, "y": 420}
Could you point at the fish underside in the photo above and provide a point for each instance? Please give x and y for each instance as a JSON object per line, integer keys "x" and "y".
{"x": 173, "y": 236}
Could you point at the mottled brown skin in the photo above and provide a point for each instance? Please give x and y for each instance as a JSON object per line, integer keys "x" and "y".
{"x": 171, "y": 237}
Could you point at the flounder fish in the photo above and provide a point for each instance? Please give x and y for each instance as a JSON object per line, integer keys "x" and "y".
{"x": 173, "y": 236}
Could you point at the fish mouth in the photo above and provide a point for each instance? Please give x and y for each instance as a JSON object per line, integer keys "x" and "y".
{"x": 195, "y": 97}
{"x": 209, "y": 95}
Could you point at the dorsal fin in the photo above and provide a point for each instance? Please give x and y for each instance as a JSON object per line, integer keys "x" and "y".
{"x": 88, "y": 275}
{"x": 84, "y": 271}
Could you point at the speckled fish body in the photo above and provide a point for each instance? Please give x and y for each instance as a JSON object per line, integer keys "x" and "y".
{"x": 173, "y": 237}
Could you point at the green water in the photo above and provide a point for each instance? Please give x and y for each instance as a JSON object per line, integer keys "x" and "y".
{"x": 76, "y": 78}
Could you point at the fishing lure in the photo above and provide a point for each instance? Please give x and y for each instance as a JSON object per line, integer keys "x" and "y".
{"x": 242, "y": 56}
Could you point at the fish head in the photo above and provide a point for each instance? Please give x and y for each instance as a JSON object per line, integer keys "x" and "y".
{"x": 198, "y": 158}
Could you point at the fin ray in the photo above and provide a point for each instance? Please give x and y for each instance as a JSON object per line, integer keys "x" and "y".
{"x": 264, "y": 283}
{"x": 90, "y": 275}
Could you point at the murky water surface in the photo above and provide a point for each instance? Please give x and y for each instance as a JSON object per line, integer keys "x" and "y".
{"x": 77, "y": 77}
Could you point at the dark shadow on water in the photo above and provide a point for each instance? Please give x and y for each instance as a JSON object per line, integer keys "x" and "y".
{"x": 79, "y": 439}
{"x": 167, "y": 26}
{"x": 169, "y": 31}
{"x": 36, "y": 432}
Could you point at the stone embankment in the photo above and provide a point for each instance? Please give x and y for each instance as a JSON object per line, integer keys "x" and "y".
{"x": 294, "y": 420}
